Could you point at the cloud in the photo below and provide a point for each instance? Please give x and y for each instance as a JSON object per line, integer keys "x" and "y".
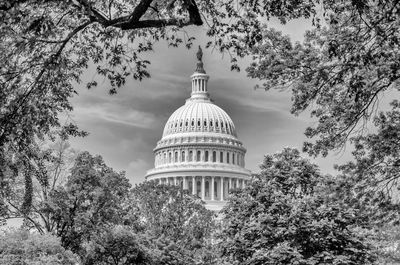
{"x": 117, "y": 114}
{"x": 137, "y": 169}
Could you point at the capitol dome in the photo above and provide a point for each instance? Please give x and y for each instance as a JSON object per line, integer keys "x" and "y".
{"x": 199, "y": 148}
{"x": 201, "y": 116}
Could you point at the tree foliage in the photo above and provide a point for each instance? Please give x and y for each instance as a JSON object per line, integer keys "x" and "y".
{"x": 93, "y": 197}
{"x": 22, "y": 247}
{"x": 177, "y": 225}
{"x": 376, "y": 162}
{"x": 53, "y": 163}
{"x": 117, "y": 245}
{"x": 345, "y": 64}
{"x": 286, "y": 216}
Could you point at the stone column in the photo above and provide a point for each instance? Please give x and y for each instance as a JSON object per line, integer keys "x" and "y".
{"x": 244, "y": 184}
{"x": 176, "y": 181}
{"x": 230, "y": 183}
{"x": 237, "y": 183}
{"x": 222, "y": 189}
{"x": 203, "y": 188}
{"x": 185, "y": 183}
{"x": 194, "y": 191}
{"x": 212, "y": 188}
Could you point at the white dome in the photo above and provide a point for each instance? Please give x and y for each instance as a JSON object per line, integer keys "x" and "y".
{"x": 199, "y": 115}
{"x": 199, "y": 148}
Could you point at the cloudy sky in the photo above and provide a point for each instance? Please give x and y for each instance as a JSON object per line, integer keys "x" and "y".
{"x": 124, "y": 128}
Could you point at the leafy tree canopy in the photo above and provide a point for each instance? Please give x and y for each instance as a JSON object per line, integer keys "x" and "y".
{"x": 376, "y": 162}
{"x": 94, "y": 196}
{"x": 25, "y": 199}
{"x": 22, "y": 247}
{"x": 117, "y": 245}
{"x": 91, "y": 197}
{"x": 345, "y": 64}
{"x": 177, "y": 225}
{"x": 285, "y": 216}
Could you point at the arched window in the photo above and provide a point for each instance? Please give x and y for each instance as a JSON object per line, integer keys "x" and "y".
{"x": 216, "y": 124}
{"x": 205, "y": 123}
{"x": 183, "y": 156}
{"x": 206, "y": 156}
{"x": 198, "y": 123}
{"x": 192, "y": 122}
{"x": 221, "y": 157}
{"x": 169, "y": 157}
{"x": 198, "y": 156}
{"x": 190, "y": 156}
{"x": 227, "y": 157}
{"x": 214, "y": 156}
{"x": 233, "y": 158}
{"x": 186, "y": 123}
{"x": 176, "y": 157}
{"x": 211, "y": 123}
{"x": 165, "y": 158}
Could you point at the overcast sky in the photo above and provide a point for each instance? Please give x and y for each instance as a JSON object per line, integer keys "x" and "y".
{"x": 124, "y": 128}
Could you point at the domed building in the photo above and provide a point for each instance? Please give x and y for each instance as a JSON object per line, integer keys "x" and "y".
{"x": 199, "y": 148}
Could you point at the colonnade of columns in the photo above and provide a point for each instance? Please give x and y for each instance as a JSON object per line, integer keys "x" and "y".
{"x": 199, "y": 155}
{"x": 206, "y": 187}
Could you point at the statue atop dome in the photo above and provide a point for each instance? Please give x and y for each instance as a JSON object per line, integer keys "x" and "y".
{"x": 199, "y": 68}
{"x": 199, "y": 54}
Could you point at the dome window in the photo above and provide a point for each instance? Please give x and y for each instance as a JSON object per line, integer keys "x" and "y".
{"x": 206, "y": 156}
{"x": 198, "y": 123}
{"x": 214, "y": 158}
{"x": 216, "y": 124}
{"x": 198, "y": 156}
{"x": 211, "y": 123}
{"x": 190, "y": 156}
{"x": 221, "y": 157}
{"x": 183, "y": 156}
{"x": 233, "y": 158}
{"x": 186, "y": 124}
{"x": 227, "y": 158}
{"x": 176, "y": 157}
{"x": 205, "y": 123}
{"x": 192, "y": 122}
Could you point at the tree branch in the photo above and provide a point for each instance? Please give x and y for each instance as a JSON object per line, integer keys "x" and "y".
{"x": 132, "y": 21}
